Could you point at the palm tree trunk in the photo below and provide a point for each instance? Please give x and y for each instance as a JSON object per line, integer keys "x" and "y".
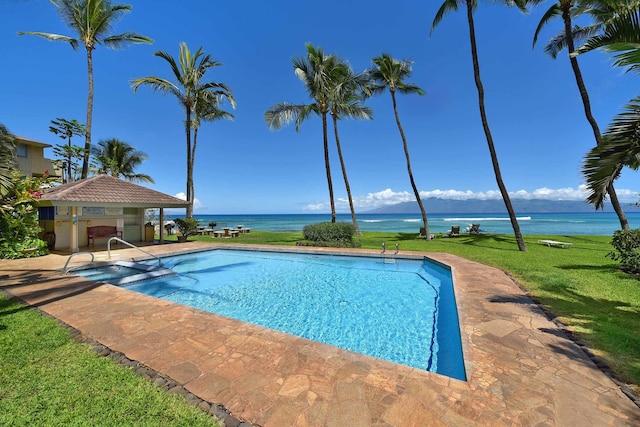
{"x": 615, "y": 203}
{"x": 485, "y": 125}
{"x": 328, "y": 166}
{"x": 193, "y": 163}
{"x": 87, "y": 141}
{"x": 189, "y": 213}
{"x": 69, "y": 162}
{"x": 344, "y": 174}
{"x": 416, "y": 193}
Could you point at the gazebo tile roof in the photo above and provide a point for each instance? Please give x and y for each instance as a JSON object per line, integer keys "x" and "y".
{"x": 105, "y": 189}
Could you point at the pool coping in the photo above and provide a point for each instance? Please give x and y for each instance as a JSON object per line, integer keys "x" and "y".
{"x": 521, "y": 367}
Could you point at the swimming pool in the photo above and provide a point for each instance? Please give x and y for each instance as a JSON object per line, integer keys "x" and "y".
{"x": 401, "y": 310}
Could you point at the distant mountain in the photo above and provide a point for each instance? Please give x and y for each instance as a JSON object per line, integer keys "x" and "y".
{"x": 473, "y": 206}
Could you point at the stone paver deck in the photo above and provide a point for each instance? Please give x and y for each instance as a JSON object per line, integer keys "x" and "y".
{"x": 521, "y": 369}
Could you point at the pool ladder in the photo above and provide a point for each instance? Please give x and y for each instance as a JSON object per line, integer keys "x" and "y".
{"x": 65, "y": 270}
{"x": 384, "y": 248}
{"x": 117, "y": 239}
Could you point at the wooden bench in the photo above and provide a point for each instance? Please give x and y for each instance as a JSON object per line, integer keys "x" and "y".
{"x": 101, "y": 231}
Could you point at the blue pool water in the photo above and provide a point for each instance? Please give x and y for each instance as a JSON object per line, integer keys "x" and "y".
{"x": 399, "y": 310}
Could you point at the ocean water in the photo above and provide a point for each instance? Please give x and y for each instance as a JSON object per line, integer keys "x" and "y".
{"x": 593, "y": 223}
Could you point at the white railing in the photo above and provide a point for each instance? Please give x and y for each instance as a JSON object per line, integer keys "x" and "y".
{"x": 64, "y": 269}
{"x": 117, "y": 239}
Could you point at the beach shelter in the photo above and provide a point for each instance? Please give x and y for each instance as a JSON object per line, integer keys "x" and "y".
{"x": 69, "y": 210}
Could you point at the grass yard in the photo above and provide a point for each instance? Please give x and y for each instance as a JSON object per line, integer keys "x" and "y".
{"x": 579, "y": 285}
{"x": 47, "y": 379}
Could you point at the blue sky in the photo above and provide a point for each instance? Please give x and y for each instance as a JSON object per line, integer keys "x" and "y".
{"x": 533, "y": 105}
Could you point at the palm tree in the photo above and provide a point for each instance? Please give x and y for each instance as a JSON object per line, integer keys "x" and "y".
{"x": 92, "y": 20}
{"x": 346, "y": 95}
{"x": 7, "y": 164}
{"x": 66, "y": 129}
{"x": 207, "y": 108}
{"x": 316, "y": 71}
{"x": 188, "y": 72}
{"x": 620, "y": 147}
{"x": 601, "y": 10}
{"x": 119, "y": 159}
{"x": 389, "y": 73}
{"x": 452, "y": 5}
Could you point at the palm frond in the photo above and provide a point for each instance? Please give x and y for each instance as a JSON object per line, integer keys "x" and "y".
{"x": 53, "y": 37}
{"x": 445, "y": 8}
{"x": 281, "y": 114}
{"x": 553, "y": 12}
{"x": 121, "y": 40}
{"x": 620, "y": 148}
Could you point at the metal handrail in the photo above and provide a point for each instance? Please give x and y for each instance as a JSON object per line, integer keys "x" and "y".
{"x": 132, "y": 246}
{"x": 64, "y": 269}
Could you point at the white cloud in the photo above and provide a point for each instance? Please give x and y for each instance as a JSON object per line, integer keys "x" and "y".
{"x": 196, "y": 202}
{"x": 389, "y": 197}
{"x": 316, "y": 207}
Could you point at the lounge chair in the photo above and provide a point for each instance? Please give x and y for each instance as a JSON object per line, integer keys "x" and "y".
{"x": 474, "y": 229}
{"x": 555, "y": 243}
{"x": 454, "y": 232}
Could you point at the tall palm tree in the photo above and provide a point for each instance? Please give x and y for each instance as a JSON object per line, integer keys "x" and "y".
{"x": 450, "y": 6}
{"x": 602, "y": 11}
{"x": 620, "y": 147}
{"x": 389, "y": 73}
{"x": 346, "y": 96}
{"x": 7, "y": 163}
{"x": 207, "y": 109}
{"x": 316, "y": 72}
{"x": 188, "y": 71}
{"x": 92, "y": 20}
{"x": 119, "y": 159}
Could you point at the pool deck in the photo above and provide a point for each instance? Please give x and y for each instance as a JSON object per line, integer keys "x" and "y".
{"x": 521, "y": 368}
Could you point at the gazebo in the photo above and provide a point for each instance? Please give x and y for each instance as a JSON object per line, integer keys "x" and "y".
{"x": 66, "y": 211}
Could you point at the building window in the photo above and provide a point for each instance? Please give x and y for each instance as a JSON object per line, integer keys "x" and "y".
{"x": 21, "y": 150}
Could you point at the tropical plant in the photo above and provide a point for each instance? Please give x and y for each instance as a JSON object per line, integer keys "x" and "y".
{"x": 626, "y": 244}
{"x": 92, "y": 20}
{"x": 316, "y": 71}
{"x": 70, "y": 154}
{"x": 346, "y": 95}
{"x": 471, "y": 5}
{"x": 602, "y": 11}
{"x": 389, "y": 73}
{"x": 188, "y": 89}
{"x": 7, "y": 162}
{"x": 620, "y": 147}
{"x": 119, "y": 159}
{"x": 187, "y": 226}
{"x": 19, "y": 229}
{"x": 329, "y": 234}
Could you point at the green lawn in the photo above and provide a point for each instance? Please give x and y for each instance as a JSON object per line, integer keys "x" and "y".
{"x": 580, "y": 285}
{"x": 47, "y": 379}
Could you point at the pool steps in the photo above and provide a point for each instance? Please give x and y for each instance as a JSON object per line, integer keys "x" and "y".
{"x": 147, "y": 272}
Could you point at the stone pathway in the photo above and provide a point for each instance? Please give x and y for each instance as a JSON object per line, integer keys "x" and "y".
{"x": 521, "y": 368}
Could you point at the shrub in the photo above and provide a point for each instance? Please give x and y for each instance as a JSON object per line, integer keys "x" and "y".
{"x": 19, "y": 229}
{"x": 338, "y": 233}
{"x": 187, "y": 226}
{"x": 626, "y": 244}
